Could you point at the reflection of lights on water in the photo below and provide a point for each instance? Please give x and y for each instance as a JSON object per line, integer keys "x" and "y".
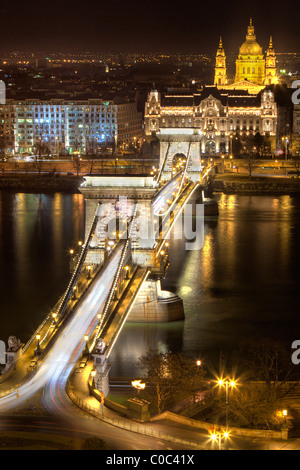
{"x": 228, "y": 201}
{"x": 184, "y": 290}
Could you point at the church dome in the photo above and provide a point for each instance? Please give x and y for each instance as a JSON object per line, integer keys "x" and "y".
{"x": 250, "y": 46}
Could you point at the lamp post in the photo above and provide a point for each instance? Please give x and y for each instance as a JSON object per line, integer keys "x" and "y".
{"x": 38, "y": 348}
{"x": 232, "y": 384}
{"x": 138, "y": 385}
{"x": 89, "y": 272}
{"x": 93, "y": 374}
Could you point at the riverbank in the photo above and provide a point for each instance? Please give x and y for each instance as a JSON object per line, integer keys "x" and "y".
{"x": 243, "y": 184}
{"x": 44, "y": 183}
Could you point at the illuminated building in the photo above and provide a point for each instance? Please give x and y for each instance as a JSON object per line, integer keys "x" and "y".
{"x": 68, "y": 126}
{"x": 220, "y": 68}
{"x": 253, "y": 70}
{"x": 218, "y": 114}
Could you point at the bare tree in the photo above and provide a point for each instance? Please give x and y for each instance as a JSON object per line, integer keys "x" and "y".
{"x": 296, "y": 164}
{"x": 172, "y": 377}
{"x": 38, "y": 164}
{"x": 250, "y": 161}
{"x": 78, "y": 164}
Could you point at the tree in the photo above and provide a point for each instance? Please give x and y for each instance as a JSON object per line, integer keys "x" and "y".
{"x": 3, "y": 166}
{"x": 251, "y": 163}
{"x": 259, "y": 142}
{"x": 236, "y": 145}
{"x": 41, "y": 148}
{"x": 296, "y": 164}
{"x": 38, "y": 164}
{"x": 172, "y": 377}
{"x": 78, "y": 164}
{"x": 260, "y": 392}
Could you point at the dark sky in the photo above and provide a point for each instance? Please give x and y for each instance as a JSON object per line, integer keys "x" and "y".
{"x": 158, "y": 25}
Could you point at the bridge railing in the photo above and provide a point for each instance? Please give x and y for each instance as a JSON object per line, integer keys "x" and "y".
{"x": 62, "y": 302}
{"x": 126, "y": 248}
{"x": 126, "y": 313}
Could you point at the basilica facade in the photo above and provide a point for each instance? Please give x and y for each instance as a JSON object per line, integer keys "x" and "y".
{"x": 254, "y": 70}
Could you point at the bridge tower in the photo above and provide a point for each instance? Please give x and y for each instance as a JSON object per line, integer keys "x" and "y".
{"x": 119, "y": 196}
{"x": 180, "y": 141}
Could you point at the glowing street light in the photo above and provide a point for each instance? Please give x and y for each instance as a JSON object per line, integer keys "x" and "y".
{"x": 138, "y": 385}
{"x": 227, "y": 383}
{"x": 127, "y": 272}
{"x": 38, "y": 348}
{"x": 89, "y": 272}
{"x": 86, "y": 349}
{"x": 93, "y": 374}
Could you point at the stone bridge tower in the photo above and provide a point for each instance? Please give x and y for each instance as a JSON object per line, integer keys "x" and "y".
{"x": 180, "y": 141}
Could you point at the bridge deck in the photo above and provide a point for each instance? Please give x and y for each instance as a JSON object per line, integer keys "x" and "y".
{"x": 120, "y": 313}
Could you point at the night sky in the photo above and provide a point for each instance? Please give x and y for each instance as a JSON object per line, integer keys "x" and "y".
{"x": 140, "y": 26}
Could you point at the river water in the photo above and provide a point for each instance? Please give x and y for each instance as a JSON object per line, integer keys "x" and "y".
{"x": 243, "y": 283}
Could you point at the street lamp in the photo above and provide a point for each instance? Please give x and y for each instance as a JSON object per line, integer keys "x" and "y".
{"x": 216, "y": 436}
{"x": 74, "y": 293}
{"x": 93, "y": 374}
{"x": 138, "y": 385}
{"x": 38, "y": 348}
{"x": 126, "y": 272}
{"x": 227, "y": 383}
{"x": 89, "y": 272}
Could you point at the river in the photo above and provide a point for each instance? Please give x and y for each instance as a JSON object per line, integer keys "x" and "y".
{"x": 244, "y": 282}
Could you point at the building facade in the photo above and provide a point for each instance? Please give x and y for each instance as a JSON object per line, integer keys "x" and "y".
{"x": 218, "y": 115}
{"x": 68, "y": 126}
{"x": 295, "y": 144}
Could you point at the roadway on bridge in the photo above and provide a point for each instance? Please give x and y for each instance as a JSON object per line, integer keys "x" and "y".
{"x": 69, "y": 345}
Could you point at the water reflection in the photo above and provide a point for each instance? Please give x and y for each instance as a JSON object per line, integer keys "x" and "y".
{"x": 243, "y": 282}
{"x": 36, "y": 231}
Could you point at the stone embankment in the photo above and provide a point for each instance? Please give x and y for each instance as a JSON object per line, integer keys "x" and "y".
{"x": 44, "y": 183}
{"x": 254, "y": 185}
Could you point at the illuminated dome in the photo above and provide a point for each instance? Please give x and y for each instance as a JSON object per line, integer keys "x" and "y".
{"x": 250, "y": 46}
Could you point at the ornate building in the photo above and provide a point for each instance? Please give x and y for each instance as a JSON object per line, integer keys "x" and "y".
{"x": 253, "y": 70}
{"x": 217, "y": 114}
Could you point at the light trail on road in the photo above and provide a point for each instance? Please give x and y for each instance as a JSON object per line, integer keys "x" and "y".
{"x": 68, "y": 347}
